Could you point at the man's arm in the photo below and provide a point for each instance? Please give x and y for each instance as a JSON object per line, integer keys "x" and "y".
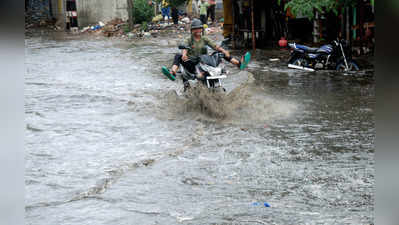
{"x": 211, "y": 44}
{"x": 184, "y": 55}
{"x": 225, "y": 52}
{"x": 184, "y": 52}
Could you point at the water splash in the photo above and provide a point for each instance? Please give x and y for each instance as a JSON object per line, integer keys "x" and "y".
{"x": 242, "y": 105}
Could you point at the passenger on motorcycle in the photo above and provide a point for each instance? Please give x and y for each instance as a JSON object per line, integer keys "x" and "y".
{"x": 197, "y": 42}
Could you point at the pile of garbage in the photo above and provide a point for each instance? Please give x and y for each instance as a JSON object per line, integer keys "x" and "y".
{"x": 157, "y": 27}
{"x": 213, "y": 30}
{"x": 119, "y": 28}
{"x": 111, "y": 28}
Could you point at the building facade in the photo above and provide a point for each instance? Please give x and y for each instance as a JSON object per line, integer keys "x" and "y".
{"x": 262, "y": 23}
{"x": 93, "y": 11}
{"x": 73, "y": 13}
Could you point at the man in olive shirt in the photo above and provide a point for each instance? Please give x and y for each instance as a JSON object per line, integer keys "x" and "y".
{"x": 198, "y": 46}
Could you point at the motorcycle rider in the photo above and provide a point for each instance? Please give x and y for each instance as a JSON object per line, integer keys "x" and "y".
{"x": 197, "y": 42}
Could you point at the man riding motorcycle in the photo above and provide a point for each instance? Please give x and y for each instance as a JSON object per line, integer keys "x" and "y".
{"x": 198, "y": 46}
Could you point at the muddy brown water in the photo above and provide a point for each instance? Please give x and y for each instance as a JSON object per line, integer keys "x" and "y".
{"x": 109, "y": 140}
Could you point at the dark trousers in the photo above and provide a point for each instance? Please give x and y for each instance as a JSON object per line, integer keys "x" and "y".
{"x": 165, "y": 12}
{"x": 211, "y": 13}
{"x": 188, "y": 65}
{"x": 175, "y": 15}
{"x": 203, "y": 19}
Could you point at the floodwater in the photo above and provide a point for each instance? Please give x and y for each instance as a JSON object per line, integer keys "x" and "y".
{"x": 110, "y": 142}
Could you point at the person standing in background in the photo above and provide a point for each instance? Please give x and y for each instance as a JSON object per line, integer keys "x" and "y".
{"x": 165, "y": 10}
{"x": 211, "y": 10}
{"x": 196, "y": 4}
{"x": 203, "y": 11}
{"x": 175, "y": 15}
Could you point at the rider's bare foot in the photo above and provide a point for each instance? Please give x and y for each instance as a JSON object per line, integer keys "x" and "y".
{"x": 240, "y": 62}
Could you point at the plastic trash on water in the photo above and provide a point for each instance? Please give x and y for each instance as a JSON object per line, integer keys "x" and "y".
{"x": 85, "y": 29}
{"x": 101, "y": 24}
{"x": 157, "y": 18}
{"x": 258, "y": 204}
{"x": 95, "y": 27}
{"x": 185, "y": 20}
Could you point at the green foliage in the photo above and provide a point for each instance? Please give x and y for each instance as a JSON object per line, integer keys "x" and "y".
{"x": 347, "y": 3}
{"x": 307, "y": 7}
{"x": 142, "y": 12}
{"x": 144, "y": 26}
{"x": 125, "y": 28}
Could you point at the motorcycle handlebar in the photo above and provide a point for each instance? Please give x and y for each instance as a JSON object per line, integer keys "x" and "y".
{"x": 183, "y": 47}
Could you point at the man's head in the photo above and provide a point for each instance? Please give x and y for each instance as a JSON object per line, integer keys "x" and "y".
{"x": 196, "y": 27}
{"x": 197, "y": 32}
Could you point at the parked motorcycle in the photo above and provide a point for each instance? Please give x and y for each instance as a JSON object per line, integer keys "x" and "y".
{"x": 336, "y": 55}
{"x": 210, "y": 68}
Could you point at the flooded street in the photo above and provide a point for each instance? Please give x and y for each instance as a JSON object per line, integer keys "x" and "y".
{"x": 108, "y": 141}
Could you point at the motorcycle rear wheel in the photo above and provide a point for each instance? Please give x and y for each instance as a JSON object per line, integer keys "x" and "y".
{"x": 352, "y": 66}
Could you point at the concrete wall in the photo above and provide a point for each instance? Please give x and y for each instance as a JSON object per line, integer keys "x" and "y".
{"x": 92, "y": 11}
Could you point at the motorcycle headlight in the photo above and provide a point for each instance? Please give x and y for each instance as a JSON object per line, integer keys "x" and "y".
{"x": 213, "y": 71}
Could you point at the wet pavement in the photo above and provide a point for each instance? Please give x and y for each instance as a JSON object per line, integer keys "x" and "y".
{"x": 109, "y": 141}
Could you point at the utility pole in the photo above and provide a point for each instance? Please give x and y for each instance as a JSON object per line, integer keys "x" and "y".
{"x": 347, "y": 24}
{"x": 130, "y": 13}
{"x": 253, "y": 25}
